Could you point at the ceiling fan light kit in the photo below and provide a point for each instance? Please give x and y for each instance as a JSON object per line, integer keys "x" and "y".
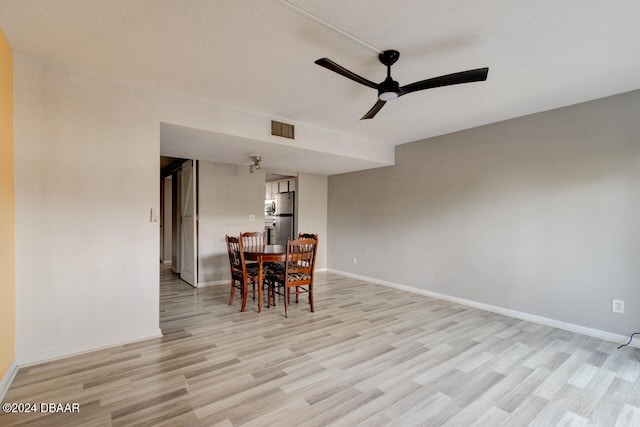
{"x": 390, "y": 89}
{"x": 387, "y": 96}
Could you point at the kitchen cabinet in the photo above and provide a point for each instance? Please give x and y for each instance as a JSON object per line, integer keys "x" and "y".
{"x": 276, "y": 187}
{"x": 271, "y": 189}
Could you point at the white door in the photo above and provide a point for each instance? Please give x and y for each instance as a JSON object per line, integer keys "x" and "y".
{"x": 189, "y": 258}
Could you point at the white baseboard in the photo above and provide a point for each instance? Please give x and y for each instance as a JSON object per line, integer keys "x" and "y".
{"x": 8, "y": 379}
{"x": 60, "y": 353}
{"x": 571, "y": 327}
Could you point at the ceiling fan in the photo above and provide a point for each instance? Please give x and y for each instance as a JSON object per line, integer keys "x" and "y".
{"x": 390, "y": 89}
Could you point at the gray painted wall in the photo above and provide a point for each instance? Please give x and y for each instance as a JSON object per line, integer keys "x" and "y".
{"x": 539, "y": 214}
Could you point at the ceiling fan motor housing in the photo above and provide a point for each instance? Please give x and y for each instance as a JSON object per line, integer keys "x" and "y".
{"x": 389, "y": 89}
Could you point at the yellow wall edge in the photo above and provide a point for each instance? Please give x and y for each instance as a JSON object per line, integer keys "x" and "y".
{"x": 7, "y": 212}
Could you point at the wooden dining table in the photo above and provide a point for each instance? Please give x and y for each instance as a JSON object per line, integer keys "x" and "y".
{"x": 264, "y": 254}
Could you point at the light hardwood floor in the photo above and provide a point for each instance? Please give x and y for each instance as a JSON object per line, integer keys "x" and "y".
{"x": 369, "y": 355}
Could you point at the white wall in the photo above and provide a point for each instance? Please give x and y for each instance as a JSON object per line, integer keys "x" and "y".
{"x": 227, "y": 195}
{"x": 312, "y": 211}
{"x": 86, "y": 176}
{"x": 539, "y": 214}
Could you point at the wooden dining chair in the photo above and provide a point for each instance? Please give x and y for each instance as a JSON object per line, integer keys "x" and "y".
{"x": 242, "y": 275}
{"x": 253, "y": 238}
{"x": 297, "y": 274}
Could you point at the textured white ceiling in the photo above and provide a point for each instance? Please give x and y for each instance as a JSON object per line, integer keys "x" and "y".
{"x": 257, "y": 55}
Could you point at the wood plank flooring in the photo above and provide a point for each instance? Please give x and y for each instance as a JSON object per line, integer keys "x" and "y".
{"x": 369, "y": 355}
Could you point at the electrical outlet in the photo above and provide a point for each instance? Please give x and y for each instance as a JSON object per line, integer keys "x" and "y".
{"x": 617, "y": 306}
{"x": 355, "y": 260}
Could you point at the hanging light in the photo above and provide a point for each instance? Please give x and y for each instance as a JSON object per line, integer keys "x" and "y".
{"x": 256, "y": 164}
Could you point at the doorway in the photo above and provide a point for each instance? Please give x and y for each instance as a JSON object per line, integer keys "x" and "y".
{"x": 178, "y": 217}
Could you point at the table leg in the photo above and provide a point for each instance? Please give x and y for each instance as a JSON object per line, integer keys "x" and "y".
{"x": 259, "y": 285}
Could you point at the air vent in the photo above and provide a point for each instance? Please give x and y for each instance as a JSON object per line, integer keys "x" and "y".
{"x": 284, "y": 130}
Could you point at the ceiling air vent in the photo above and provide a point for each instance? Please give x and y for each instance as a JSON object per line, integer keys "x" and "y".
{"x": 284, "y": 130}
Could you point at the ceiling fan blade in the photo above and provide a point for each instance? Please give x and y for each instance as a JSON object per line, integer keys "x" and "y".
{"x": 374, "y": 110}
{"x": 330, "y": 65}
{"x": 477, "y": 75}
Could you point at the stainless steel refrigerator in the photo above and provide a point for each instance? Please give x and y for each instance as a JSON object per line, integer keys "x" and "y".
{"x": 284, "y": 219}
